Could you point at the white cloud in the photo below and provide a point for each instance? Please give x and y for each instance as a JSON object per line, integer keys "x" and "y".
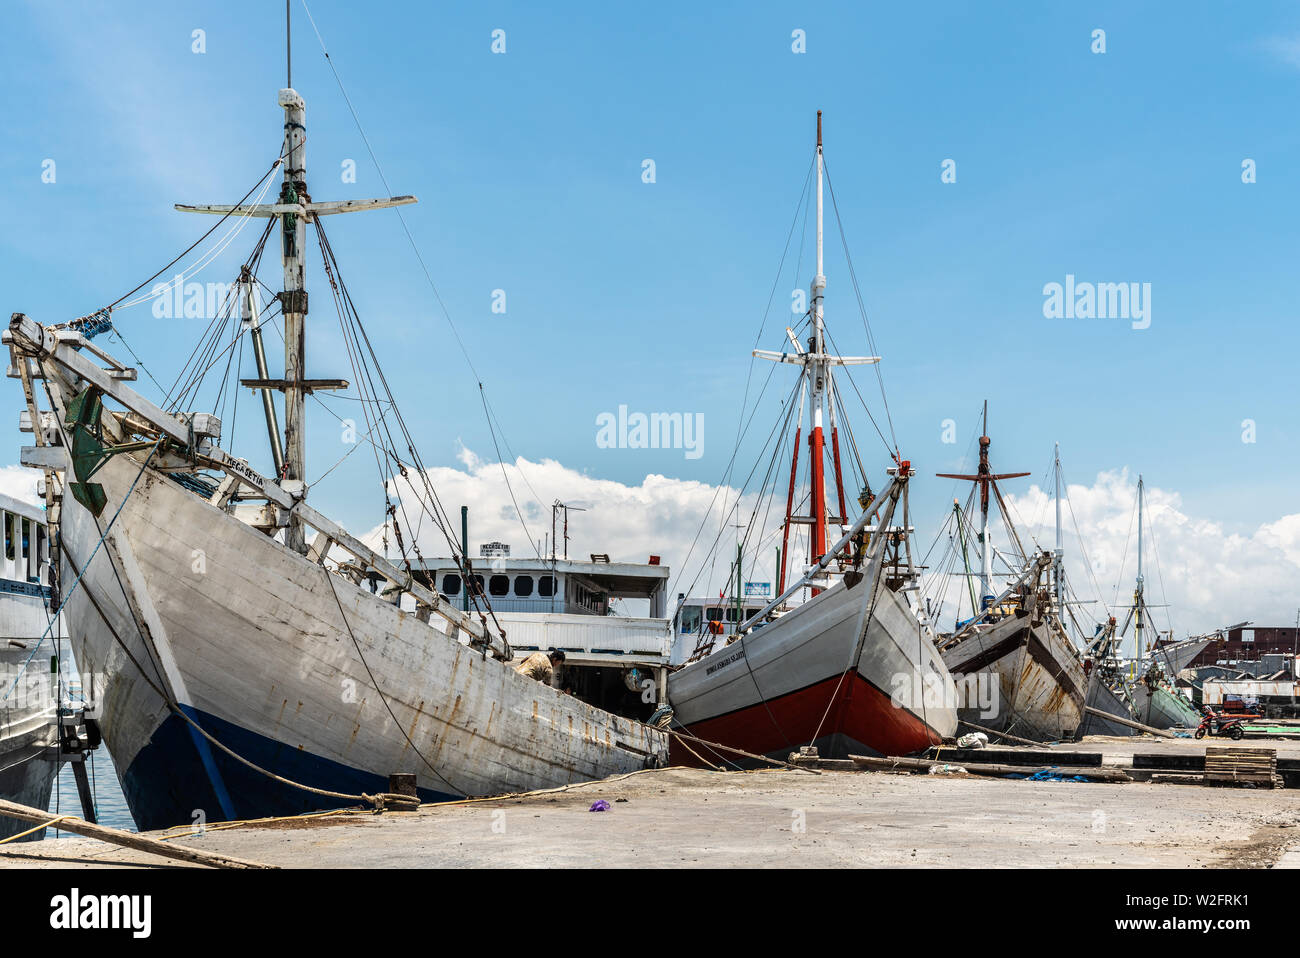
{"x": 1285, "y": 49}
{"x": 1210, "y": 577}
{"x": 660, "y": 516}
{"x": 20, "y": 482}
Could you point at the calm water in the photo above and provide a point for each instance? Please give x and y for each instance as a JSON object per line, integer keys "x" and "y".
{"x": 110, "y": 803}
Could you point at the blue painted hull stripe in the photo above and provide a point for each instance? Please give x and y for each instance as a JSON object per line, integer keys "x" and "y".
{"x": 168, "y": 782}
{"x": 209, "y": 763}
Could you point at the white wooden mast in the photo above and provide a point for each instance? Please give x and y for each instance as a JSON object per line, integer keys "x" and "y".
{"x": 294, "y": 304}
{"x": 986, "y": 543}
{"x": 1058, "y": 557}
{"x": 295, "y": 209}
{"x": 1137, "y": 593}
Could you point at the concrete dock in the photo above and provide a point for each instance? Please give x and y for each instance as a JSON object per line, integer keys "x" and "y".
{"x": 779, "y": 818}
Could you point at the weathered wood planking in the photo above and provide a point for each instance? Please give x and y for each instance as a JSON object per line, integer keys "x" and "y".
{"x": 250, "y": 632}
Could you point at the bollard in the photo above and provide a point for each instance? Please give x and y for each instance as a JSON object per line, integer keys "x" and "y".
{"x": 402, "y": 783}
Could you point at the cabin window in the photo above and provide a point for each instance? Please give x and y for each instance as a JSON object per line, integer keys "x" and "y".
{"x": 691, "y": 618}
{"x": 451, "y": 584}
{"x": 546, "y": 585}
{"x": 715, "y": 614}
{"x": 499, "y": 585}
{"x": 9, "y": 520}
{"x": 478, "y": 584}
{"x": 27, "y": 537}
{"x": 523, "y": 586}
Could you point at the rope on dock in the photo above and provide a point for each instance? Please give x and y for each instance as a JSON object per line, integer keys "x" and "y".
{"x": 740, "y": 751}
{"x": 14, "y": 838}
{"x": 1002, "y": 735}
{"x": 222, "y": 826}
{"x": 508, "y": 796}
{"x": 116, "y": 836}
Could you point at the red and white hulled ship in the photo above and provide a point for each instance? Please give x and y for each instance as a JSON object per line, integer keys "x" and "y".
{"x": 852, "y": 669}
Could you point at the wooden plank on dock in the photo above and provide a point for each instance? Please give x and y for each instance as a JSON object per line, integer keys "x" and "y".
{"x": 1014, "y": 756}
{"x": 136, "y": 842}
{"x": 1163, "y": 733}
{"x": 924, "y": 764}
{"x": 1233, "y": 764}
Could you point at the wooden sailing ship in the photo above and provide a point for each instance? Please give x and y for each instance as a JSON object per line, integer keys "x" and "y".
{"x": 1015, "y": 636}
{"x": 1151, "y": 675}
{"x": 252, "y": 657}
{"x": 853, "y": 668}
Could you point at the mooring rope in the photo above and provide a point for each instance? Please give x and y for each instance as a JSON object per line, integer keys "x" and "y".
{"x": 37, "y": 828}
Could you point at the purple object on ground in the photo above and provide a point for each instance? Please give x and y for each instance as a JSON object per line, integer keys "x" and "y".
{"x": 600, "y": 805}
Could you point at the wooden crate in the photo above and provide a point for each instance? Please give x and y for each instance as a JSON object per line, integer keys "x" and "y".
{"x": 1233, "y": 763}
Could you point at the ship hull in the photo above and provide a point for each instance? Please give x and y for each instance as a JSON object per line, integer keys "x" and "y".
{"x": 28, "y": 722}
{"x": 792, "y": 683}
{"x": 26, "y": 777}
{"x": 1040, "y": 686}
{"x": 1163, "y": 709}
{"x": 295, "y": 670}
{"x": 1103, "y": 698}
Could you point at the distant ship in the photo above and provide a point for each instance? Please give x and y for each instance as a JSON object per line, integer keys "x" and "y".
{"x": 1015, "y": 635}
{"x": 1146, "y": 683}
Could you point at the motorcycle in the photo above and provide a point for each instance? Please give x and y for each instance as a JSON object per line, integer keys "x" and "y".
{"x": 1215, "y": 725}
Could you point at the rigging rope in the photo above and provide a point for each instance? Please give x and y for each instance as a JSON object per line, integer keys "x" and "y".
{"x": 243, "y": 216}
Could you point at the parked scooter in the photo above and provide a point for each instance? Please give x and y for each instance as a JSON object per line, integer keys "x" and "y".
{"x": 1218, "y": 726}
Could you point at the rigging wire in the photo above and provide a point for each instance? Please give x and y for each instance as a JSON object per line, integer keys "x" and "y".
{"x": 492, "y": 427}
{"x": 186, "y": 251}
{"x": 862, "y": 307}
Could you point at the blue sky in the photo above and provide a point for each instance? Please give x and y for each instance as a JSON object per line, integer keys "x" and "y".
{"x": 1115, "y": 167}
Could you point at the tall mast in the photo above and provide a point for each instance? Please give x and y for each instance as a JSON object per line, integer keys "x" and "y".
{"x": 816, "y": 366}
{"x": 986, "y": 545}
{"x": 294, "y": 300}
{"x": 987, "y": 482}
{"x": 294, "y": 208}
{"x": 1058, "y": 557}
{"x": 1137, "y": 593}
{"x": 820, "y": 373}
{"x": 288, "y": 46}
